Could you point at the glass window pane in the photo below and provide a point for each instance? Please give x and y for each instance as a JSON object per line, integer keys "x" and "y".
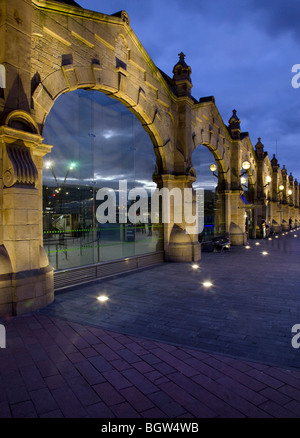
{"x": 97, "y": 142}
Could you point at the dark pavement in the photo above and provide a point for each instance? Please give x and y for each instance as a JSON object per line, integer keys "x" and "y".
{"x": 163, "y": 344}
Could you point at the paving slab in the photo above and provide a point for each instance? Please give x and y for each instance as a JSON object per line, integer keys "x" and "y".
{"x": 163, "y": 345}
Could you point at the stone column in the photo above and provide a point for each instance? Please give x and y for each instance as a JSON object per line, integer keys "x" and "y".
{"x": 235, "y": 208}
{"x": 26, "y": 279}
{"x": 180, "y": 237}
{"x": 220, "y": 213}
{"x": 237, "y": 229}
{"x": 275, "y": 200}
{"x": 296, "y": 212}
{"x": 284, "y": 204}
{"x": 180, "y": 240}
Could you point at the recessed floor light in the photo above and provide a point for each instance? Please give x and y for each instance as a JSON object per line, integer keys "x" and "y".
{"x": 257, "y": 243}
{"x": 265, "y": 253}
{"x": 247, "y": 246}
{"x": 195, "y": 266}
{"x": 102, "y": 298}
{"x": 207, "y": 284}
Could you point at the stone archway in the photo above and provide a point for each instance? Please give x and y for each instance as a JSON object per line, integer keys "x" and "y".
{"x": 121, "y": 152}
{"x": 215, "y": 180}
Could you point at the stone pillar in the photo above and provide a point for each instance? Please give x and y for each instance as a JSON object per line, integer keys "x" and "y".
{"x": 26, "y": 279}
{"x": 15, "y": 53}
{"x": 180, "y": 240}
{"x": 291, "y": 200}
{"x": 237, "y": 229}
{"x": 180, "y": 244}
{"x": 220, "y": 213}
{"x": 284, "y": 204}
{"x": 260, "y": 182}
{"x": 296, "y": 212}
{"x": 275, "y": 200}
{"x": 235, "y": 208}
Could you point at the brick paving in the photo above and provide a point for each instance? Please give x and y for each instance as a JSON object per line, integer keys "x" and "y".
{"x": 163, "y": 346}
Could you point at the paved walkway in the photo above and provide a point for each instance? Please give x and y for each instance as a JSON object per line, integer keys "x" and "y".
{"x": 163, "y": 345}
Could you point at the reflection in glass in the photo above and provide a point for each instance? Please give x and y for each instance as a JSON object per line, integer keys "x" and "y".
{"x": 97, "y": 143}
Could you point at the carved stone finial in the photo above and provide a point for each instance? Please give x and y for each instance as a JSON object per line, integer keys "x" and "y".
{"x": 259, "y": 148}
{"x": 274, "y": 162}
{"x": 125, "y": 17}
{"x": 284, "y": 171}
{"x": 181, "y": 70}
{"x": 234, "y": 126}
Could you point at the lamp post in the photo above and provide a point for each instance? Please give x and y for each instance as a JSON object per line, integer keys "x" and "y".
{"x": 268, "y": 180}
{"x": 246, "y": 165}
{"x": 213, "y": 168}
{"x": 71, "y": 167}
{"x": 49, "y": 165}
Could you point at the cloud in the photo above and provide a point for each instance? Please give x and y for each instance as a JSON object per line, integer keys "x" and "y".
{"x": 278, "y": 16}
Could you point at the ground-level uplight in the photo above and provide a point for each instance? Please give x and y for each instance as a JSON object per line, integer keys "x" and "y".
{"x": 295, "y": 235}
{"x": 247, "y": 246}
{"x": 265, "y": 253}
{"x": 195, "y": 266}
{"x": 102, "y": 298}
{"x": 276, "y": 237}
{"x": 207, "y": 284}
{"x": 257, "y": 243}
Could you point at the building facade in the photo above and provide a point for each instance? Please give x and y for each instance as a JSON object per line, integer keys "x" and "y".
{"x": 51, "y": 49}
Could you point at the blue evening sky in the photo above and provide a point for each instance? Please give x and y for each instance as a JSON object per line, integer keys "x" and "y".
{"x": 241, "y": 52}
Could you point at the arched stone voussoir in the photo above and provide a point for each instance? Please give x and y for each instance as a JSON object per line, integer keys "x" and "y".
{"x": 42, "y": 99}
{"x": 54, "y": 84}
{"x": 87, "y": 76}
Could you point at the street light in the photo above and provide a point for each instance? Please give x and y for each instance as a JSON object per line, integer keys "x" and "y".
{"x": 268, "y": 180}
{"x": 213, "y": 167}
{"x": 49, "y": 165}
{"x": 246, "y": 165}
{"x": 71, "y": 167}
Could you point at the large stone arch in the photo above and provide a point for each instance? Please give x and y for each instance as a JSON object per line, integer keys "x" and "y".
{"x": 102, "y": 53}
{"x": 43, "y": 104}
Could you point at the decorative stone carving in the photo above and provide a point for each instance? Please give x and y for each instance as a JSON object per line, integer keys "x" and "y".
{"x": 181, "y": 70}
{"x": 259, "y": 148}
{"x": 19, "y": 167}
{"x": 125, "y": 17}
